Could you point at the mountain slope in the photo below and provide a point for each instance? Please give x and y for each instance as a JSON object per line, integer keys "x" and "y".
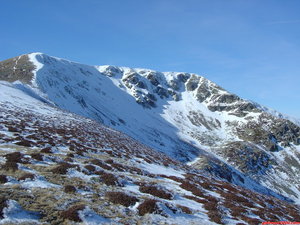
{"x": 183, "y": 115}
{"x": 61, "y": 168}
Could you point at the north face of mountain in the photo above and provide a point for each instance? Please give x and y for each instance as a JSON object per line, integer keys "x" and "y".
{"x": 182, "y": 115}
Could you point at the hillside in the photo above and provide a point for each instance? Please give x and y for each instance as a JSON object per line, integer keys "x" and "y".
{"x": 53, "y": 112}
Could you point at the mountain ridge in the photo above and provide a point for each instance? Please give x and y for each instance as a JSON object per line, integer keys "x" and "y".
{"x": 182, "y": 115}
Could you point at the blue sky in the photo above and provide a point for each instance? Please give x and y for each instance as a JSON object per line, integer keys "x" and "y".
{"x": 249, "y": 47}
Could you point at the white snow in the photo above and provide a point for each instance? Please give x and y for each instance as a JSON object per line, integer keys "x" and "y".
{"x": 89, "y": 217}
{"x": 39, "y": 182}
{"x": 158, "y": 169}
{"x": 15, "y": 214}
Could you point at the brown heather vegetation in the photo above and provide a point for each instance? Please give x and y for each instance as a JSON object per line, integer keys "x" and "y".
{"x": 90, "y": 168}
{"x": 184, "y": 209}
{"x": 25, "y": 143}
{"x": 72, "y": 213}
{"x": 63, "y": 168}
{"x": 3, "y": 204}
{"x": 148, "y": 206}
{"x": 110, "y": 179}
{"x": 101, "y": 164}
{"x": 27, "y": 176}
{"x": 156, "y": 191}
{"x": 69, "y": 189}
{"x": 47, "y": 150}
{"x": 10, "y": 166}
{"x": 121, "y": 198}
{"x": 3, "y": 179}
{"x": 37, "y": 156}
{"x": 14, "y": 157}
{"x": 240, "y": 203}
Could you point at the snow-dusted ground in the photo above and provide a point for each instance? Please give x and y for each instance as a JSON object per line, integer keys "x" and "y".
{"x": 14, "y": 214}
{"x": 77, "y": 142}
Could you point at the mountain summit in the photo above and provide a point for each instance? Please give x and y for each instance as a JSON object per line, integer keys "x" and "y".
{"x": 182, "y": 115}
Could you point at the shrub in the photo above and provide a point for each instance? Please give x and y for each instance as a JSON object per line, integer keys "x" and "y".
{"x": 69, "y": 189}
{"x": 25, "y": 143}
{"x": 72, "y": 213}
{"x": 14, "y": 157}
{"x": 3, "y": 179}
{"x": 71, "y": 155}
{"x": 118, "y": 167}
{"x": 26, "y": 176}
{"x": 174, "y": 178}
{"x": 68, "y": 159}
{"x": 185, "y": 209}
{"x": 206, "y": 185}
{"x": 192, "y": 188}
{"x": 12, "y": 129}
{"x": 90, "y": 168}
{"x": 37, "y": 156}
{"x": 227, "y": 186}
{"x": 251, "y": 221}
{"x": 215, "y": 216}
{"x": 3, "y": 204}
{"x": 109, "y": 161}
{"x": 110, "y": 179}
{"x": 46, "y": 150}
{"x": 13, "y": 166}
{"x": 101, "y": 164}
{"x": 211, "y": 206}
{"x": 63, "y": 168}
{"x": 236, "y": 211}
{"x": 135, "y": 170}
{"x": 121, "y": 198}
{"x": 148, "y": 206}
{"x": 202, "y": 201}
{"x": 156, "y": 191}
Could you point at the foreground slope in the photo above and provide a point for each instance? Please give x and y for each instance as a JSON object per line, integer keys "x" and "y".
{"x": 61, "y": 168}
{"x": 183, "y": 115}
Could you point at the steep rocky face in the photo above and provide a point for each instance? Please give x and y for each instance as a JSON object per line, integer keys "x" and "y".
{"x": 183, "y": 115}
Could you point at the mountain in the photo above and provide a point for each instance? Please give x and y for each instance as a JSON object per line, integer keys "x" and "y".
{"x": 200, "y": 129}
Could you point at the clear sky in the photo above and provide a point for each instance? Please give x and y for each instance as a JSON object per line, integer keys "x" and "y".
{"x": 249, "y": 47}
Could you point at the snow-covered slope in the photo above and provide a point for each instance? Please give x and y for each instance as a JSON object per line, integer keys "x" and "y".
{"x": 182, "y": 115}
{"x": 60, "y": 168}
